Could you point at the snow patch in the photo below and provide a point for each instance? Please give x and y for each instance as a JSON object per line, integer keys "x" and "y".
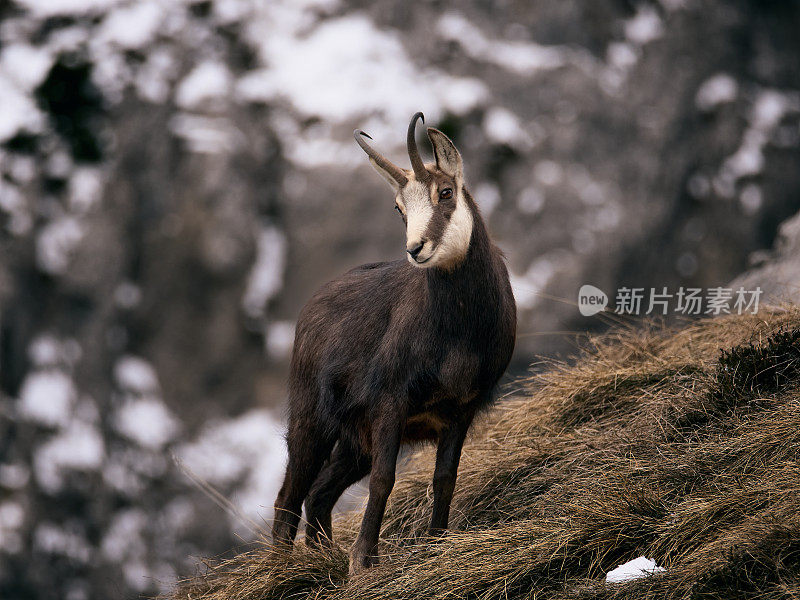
{"x": 342, "y": 69}
{"x": 55, "y": 243}
{"x": 528, "y": 286}
{"x": 504, "y": 127}
{"x": 47, "y": 397}
{"x": 280, "y": 339}
{"x": 487, "y": 196}
{"x": 645, "y": 26}
{"x": 715, "y": 91}
{"x": 147, "y": 422}
{"x": 51, "y": 8}
{"x": 52, "y": 539}
{"x": 524, "y": 58}
{"x": 135, "y": 374}
{"x": 25, "y": 65}
{"x": 247, "y": 452}
{"x": 79, "y": 447}
{"x": 633, "y": 569}
{"x": 768, "y": 109}
{"x": 132, "y": 27}
{"x": 206, "y": 83}
{"x": 266, "y": 276}
{"x": 17, "y": 110}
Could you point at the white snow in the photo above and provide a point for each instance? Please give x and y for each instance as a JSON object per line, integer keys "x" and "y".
{"x": 25, "y": 65}
{"x": 14, "y": 476}
{"x": 487, "y": 196}
{"x": 55, "y": 243}
{"x": 633, "y": 569}
{"x": 47, "y": 397}
{"x": 622, "y": 55}
{"x": 531, "y": 200}
{"x": 768, "y": 109}
{"x": 135, "y": 374}
{"x": 132, "y": 26}
{"x": 123, "y": 538}
{"x": 345, "y": 68}
{"x": 53, "y": 539}
{"x": 645, "y": 26}
{"x": 204, "y": 134}
{"x": 50, "y": 8}
{"x": 147, "y": 422}
{"x": 715, "y": 91}
{"x": 207, "y": 82}
{"x": 85, "y": 189}
{"x": 266, "y": 275}
{"x": 280, "y": 339}
{"x": 548, "y": 172}
{"x": 78, "y": 447}
{"x": 504, "y": 127}
{"x": 127, "y": 295}
{"x": 524, "y": 58}
{"x": 11, "y": 515}
{"x": 17, "y": 110}
{"x": 249, "y": 450}
{"x": 528, "y": 286}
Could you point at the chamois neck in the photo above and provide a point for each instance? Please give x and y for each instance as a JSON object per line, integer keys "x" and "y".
{"x": 475, "y": 268}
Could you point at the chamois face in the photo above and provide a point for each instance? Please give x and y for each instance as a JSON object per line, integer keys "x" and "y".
{"x": 430, "y": 199}
{"x": 437, "y": 217}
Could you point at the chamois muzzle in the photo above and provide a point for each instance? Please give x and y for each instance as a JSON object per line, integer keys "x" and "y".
{"x": 395, "y": 172}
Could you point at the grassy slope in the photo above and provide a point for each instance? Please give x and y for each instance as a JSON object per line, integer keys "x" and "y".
{"x": 652, "y": 443}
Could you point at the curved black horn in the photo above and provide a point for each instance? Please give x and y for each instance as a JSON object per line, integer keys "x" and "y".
{"x": 416, "y": 161}
{"x": 395, "y": 172}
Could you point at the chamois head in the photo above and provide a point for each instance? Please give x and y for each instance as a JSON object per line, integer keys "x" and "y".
{"x": 430, "y": 198}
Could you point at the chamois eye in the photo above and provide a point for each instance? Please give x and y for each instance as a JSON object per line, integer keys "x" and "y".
{"x": 446, "y": 194}
{"x": 397, "y": 208}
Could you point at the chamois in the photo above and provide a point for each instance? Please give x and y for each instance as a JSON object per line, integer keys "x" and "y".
{"x": 396, "y": 352}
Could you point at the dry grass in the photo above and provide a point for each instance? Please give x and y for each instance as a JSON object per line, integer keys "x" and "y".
{"x": 682, "y": 446}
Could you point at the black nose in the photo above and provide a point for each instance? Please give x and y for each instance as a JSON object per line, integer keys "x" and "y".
{"x": 416, "y": 250}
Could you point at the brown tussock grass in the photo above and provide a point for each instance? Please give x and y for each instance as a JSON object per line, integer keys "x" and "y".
{"x": 683, "y": 446}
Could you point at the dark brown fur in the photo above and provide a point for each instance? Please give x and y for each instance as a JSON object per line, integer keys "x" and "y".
{"x": 384, "y": 355}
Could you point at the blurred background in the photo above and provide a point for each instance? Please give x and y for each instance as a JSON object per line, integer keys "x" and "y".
{"x": 177, "y": 177}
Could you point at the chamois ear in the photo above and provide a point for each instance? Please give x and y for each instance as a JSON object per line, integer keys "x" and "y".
{"x": 448, "y": 158}
{"x": 385, "y": 174}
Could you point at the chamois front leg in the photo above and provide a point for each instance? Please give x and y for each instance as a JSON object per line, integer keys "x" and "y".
{"x": 387, "y": 430}
{"x": 448, "y": 455}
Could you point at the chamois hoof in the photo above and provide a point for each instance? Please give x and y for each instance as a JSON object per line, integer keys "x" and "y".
{"x": 361, "y": 560}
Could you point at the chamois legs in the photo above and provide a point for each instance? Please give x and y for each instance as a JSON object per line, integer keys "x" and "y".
{"x": 346, "y": 466}
{"x": 308, "y": 449}
{"x": 448, "y": 454}
{"x": 387, "y": 430}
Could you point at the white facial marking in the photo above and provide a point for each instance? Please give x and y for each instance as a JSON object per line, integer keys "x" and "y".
{"x": 418, "y": 211}
{"x": 454, "y": 244}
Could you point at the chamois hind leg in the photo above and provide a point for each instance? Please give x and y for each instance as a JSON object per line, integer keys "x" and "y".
{"x": 347, "y": 465}
{"x": 309, "y": 446}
